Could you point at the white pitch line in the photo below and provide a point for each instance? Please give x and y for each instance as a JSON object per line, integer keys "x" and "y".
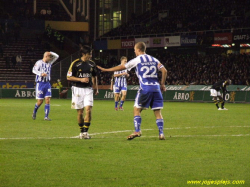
{"x": 55, "y": 105}
{"x": 112, "y": 132}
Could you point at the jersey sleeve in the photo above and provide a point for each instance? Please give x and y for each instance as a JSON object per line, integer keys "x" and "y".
{"x": 159, "y": 65}
{"x": 54, "y": 58}
{"x": 71, "y": 71}
{"x": 37, "y": 68}
{"x": 131, "y": 64}
{"x": 94, "y": 72}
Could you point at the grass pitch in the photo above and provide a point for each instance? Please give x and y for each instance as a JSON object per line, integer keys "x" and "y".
{"x": 202, "y": 146}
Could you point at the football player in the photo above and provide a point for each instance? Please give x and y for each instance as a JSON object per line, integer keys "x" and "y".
{"x": 150, "y": 92}
{"x": 120, "y": 85}
{"x": 42, "y": 69}
{"x": 83, "y": 75}
{"x": 216, "y": 94}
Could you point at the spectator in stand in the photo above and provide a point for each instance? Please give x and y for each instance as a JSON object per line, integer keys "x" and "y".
{"x": 19, "y": 61}
{"x": 48, "y": 13}
{"x": 54, "y": 84}
{"x": 59, "y": 85}
{"x": 43, "y": 13}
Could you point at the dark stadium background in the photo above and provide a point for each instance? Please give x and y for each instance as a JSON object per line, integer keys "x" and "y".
{"x": 24, "y": 31}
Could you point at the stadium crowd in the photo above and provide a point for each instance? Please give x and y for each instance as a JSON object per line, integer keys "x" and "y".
{"x": 178, "y": 16}
{"x": 195, "y": 69}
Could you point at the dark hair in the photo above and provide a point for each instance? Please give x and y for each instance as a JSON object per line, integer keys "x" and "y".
{"x": 85, "y": 50}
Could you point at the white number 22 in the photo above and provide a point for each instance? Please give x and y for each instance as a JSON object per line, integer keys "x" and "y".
{"x": 148, "y": 74}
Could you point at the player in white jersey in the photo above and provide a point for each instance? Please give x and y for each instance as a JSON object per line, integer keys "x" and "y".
{"x": 150, "y": 92}
{"x": 120, "y": 85}
{"x": 42, "y": 69}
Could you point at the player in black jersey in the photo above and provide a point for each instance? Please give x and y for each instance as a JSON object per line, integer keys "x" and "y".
{"x": 215, "y": 93}
{"x": 83, "y": 75}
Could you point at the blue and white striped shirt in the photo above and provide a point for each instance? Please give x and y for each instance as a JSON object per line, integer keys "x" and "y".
{"x": 120, "y": 81}
{"x": 41, "y": 67}
{"x": 146, "y": 70}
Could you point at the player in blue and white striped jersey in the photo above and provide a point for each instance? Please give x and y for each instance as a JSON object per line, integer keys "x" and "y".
{"x": 149, "y": 94}
{"x": 42, "y": 69}
{"x": 120, "y": 84}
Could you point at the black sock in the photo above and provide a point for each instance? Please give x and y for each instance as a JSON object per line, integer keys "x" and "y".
{"x": 216, "y": 103}
{"x": 86, "y": 126}
{"x": 222, "y": 104}
{"x": 81, "y": 127}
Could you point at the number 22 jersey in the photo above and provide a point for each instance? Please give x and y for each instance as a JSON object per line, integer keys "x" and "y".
{"x": 146, "y": 68}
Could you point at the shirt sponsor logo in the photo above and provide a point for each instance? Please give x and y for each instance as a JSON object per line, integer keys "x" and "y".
{"x": 84, "y": 75}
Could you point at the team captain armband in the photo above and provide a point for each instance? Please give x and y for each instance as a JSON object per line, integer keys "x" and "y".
{"x": 159, "y": 66}
{"x": 69, "y": 74}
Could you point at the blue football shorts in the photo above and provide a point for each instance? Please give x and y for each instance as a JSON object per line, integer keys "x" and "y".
{"x": 144, "y": 100}
{"x": 118, "y": 89}
{"x": 43, "y": 89}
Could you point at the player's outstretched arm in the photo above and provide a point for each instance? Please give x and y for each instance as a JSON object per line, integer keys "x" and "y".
{"x": 116, "y": 68}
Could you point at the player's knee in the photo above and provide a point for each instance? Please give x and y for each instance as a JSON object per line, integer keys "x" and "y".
{"x": 88, "y": 116}
{"x": 88, "y": 111}
{"x": 39, "y": 102}
{"x": 80, "y": 112}
{"x": 47, "y": 101}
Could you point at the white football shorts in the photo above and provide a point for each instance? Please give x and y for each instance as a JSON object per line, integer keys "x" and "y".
{"x": 81, "y": 97}
{"x": 214, "y": 93}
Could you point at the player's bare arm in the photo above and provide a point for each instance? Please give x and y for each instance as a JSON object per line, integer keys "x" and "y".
{"x": 116, "y": 68}
{"x": 163, "y": 70}
{"x": 121, "y": 74}
{"x": 76, "y": 79}
{"x": 95, "y": 85}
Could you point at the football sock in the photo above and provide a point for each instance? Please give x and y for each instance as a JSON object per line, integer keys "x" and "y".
{"x": 81, "y": 126}
{"x": 216, "y": 103}
{"x": 137, "y": 123}
{"x": 86, "y": 126}
{"x": 159, "y": 123}
{"x": 121, "y": 103}
{"x": 116, "y": 104}
{"x": 36, "y": 108}
{"x": 47, "y": 109}
{"x": 222, "y": 104}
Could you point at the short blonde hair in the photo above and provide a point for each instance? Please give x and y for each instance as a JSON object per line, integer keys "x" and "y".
{"x": 123, "y": 57}
{"x": 141, "y": 46}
